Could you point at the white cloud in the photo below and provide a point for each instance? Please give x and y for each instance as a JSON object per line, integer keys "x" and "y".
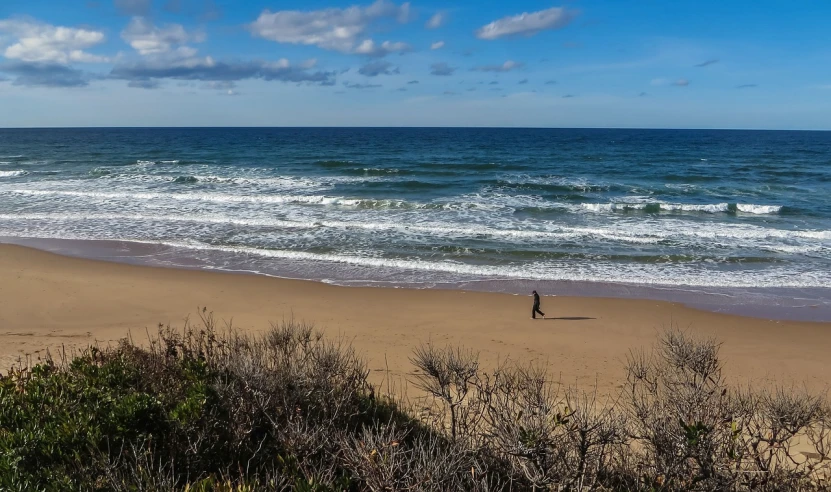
{"x": 436, "y": 21}
{"x": 149, "y": 39}
{"x": 505, "y": 67}
{"x": 333, "y": 29}
{"x": 369, "y": 48}
{"x": 526, "y": 24}
{"x": 84, "y": 57}
{"x": 165, "y": 56}
{"x": 45, "y": 43}
{"x": 437, "y": 45}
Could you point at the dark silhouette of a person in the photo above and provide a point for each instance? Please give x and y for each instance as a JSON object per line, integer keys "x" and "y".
{"x": 536, "y": 308}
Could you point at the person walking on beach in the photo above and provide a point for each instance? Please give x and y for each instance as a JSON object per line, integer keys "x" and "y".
{"x": 536, "y": 308}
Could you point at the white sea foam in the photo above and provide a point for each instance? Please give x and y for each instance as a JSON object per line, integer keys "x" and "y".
{"x": 613, "y": 207}
{"x": 708, "y": 208}
{"x": 11, "y": 174}
{"x": 711, "y": 208}
{"x": 758, "y": 209}
{"x": 576, "y": 184}
{"x": 593, "y": 272}
{"x": 261, "y": 198}
{"x": 730, "y": 235}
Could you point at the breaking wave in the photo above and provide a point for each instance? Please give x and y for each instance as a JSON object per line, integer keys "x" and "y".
{"x": 11, "y": 174}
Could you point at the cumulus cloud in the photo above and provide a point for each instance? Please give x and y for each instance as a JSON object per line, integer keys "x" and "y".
{"x": 436, "y": 21}
{"x": 44, "y": 43}
{"x": 349, "y": 85}
{"x": 527, "y": 24}
{"x": 377, "y": 68}
{"x": 437, "y": 45}
{"x": 148, "y": 39}
{"x": 37, "y": 74}
{"x": 442, "y": 69}
{"x": 707, "y": 63}
{"x": 333, "y": 28}
{"x": 133, "y": 7}
{"x": 747, "y": 86}
{"x": 505, "y": 67}
{"x": 164, "y": 55}
{"x": 369, "y": 47}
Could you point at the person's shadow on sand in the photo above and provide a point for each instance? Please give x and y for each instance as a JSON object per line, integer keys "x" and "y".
{"x": 569, "y": 318}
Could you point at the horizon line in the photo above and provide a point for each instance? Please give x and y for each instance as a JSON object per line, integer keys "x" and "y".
{"x": 321, "y": 127}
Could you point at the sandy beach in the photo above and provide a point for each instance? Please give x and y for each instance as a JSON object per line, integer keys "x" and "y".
{"x": 49, "y": 301}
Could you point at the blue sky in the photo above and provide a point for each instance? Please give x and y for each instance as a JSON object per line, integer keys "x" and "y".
{"x": 580, "y": 63}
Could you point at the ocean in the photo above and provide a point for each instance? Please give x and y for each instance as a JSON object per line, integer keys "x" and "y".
{"x": 736, "y": 221}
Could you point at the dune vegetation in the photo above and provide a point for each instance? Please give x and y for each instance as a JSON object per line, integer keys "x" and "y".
{"x": 208, "y": 408}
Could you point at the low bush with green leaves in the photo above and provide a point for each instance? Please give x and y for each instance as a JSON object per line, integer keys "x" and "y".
{"x": 211, "y": 409}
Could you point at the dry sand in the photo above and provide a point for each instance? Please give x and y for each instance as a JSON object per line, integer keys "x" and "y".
{"x": 49, "y": 301}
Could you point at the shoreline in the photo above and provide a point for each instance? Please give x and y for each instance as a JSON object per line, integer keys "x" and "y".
{"x": 771, "y": 303}
{"x": 53, "y": 301}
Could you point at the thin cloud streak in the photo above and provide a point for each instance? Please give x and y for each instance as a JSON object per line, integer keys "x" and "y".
{"x": 527, "y": 24}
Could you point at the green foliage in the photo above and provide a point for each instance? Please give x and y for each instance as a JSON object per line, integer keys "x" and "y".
{"x": 56, "y": 425}
{"x": 203, "y": 411}
{"x": 195, "y": 410}
{"x": 694, "y": 432}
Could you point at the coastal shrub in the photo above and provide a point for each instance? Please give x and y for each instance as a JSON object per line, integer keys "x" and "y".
{"x": 206, "y": 408}
{"x": 676, "y": 425}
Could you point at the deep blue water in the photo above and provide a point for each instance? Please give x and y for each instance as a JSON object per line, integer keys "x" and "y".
{"x": 733, "y": 209}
